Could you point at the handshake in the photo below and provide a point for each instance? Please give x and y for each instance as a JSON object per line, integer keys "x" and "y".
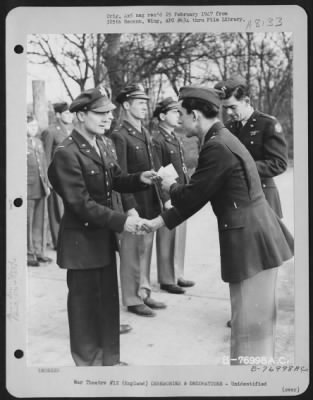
{"x": 140, "y": 226}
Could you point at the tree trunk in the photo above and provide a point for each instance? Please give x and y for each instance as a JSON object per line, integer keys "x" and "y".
{"x": 113, "y": 64}
{"x": 40, "y": 105}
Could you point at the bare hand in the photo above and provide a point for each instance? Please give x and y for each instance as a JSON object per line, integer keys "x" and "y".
{"x": 134, "y": 225}
{"x": 153, "y": 224}
{"x": 132, "y": 213}
{"x": 149, "y": 177}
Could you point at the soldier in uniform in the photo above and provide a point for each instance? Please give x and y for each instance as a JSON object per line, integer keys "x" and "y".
{"x": 253, "y": 239}
{"x": 261, "y": 134}
{"x": 170, "y": 243}
{"x": 38, "y": 189}
{"x": 51, "y": 138}
{"x": 134, "y": 152}
{"x": 84, "y": 176}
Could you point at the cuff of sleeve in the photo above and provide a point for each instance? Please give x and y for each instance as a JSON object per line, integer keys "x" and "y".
{"x": 172, "y": 218}
{"x": 117, "y": 222}
{"x": 128, "y": 201}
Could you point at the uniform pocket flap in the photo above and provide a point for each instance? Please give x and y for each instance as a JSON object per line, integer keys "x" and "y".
{"x": 234, "y": 220}
{"x": 92, "y": 171}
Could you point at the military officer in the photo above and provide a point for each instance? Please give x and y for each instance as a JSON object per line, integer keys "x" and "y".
{"x": 38, "y": 189}
{"x": 83, "y": 176}
{"x": 253, "y": 239}
{"x": 51, "y": 138}
{"x": 134, "y": 152}
{"x": 261, "y": 133}
{"x": 170, "y": 243}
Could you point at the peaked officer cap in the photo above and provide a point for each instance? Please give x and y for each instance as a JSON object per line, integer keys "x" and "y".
{"x": 200, "y": 92}
{"x": 165, "y": 105}
{"x": 225, "y": 88}
{"x": 133, "y": 91}
{"x": 60, "y": 107}
{"x": 96, "y": 100}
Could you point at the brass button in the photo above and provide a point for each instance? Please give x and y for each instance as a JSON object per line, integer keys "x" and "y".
{"x": 225, "y": 226}
{"x": 252, "y": 142}
{"x": 86, "y": 224}
{"x": 263, "y": 185}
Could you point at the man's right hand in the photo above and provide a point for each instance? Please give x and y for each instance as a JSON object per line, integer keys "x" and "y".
{"x": 132, "y": 213}
{"x": 133, "y": 225}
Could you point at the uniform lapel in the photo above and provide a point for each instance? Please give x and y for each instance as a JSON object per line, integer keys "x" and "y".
{"x": 172, "y": 139}
{"x": 85, "y": 147}
{"x": 133, "y": 132}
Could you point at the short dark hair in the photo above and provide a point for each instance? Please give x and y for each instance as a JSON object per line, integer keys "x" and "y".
{"x": 208, "y": 110}
{"x": 239, "y": 92}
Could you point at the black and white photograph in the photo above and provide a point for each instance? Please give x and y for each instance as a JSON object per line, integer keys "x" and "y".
{"x": 159, "y": 189}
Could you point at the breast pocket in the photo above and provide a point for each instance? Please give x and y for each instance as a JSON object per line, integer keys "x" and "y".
{"x": 174, "y": 154}
{"x": 138, "y": 158}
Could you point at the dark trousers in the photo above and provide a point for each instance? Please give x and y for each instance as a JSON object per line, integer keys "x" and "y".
{"x": 55, "y": 212}
{"x": 93, "y": 314}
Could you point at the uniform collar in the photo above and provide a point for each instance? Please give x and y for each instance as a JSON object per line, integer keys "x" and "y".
{"x": 213, "y": 130}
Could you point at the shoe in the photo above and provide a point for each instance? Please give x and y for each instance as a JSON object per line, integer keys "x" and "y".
{"x": 141, "y": 309}
{"x": 44, "y": 259}
{"x": 33, "y": 263}
{"x": 156, "y": 305}
{"x": 185, "y": 283}
{"x": 172, "y": 288}
{"x": 228, "y": 324}
{"x": 120, "y": 364}
{"x": 125, "y": 328}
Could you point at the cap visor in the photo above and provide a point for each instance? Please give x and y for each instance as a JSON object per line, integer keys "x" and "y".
{"x": 106, "y": 108}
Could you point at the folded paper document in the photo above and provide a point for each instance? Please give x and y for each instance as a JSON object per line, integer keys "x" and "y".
{"x": 168, "y": 172}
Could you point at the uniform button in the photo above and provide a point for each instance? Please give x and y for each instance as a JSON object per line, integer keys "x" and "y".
{"x": 92, "y": 172}
{"x": 58, "y": 128}
{"x": 113, "y": 151}
{"x": 107, "y": 182}
{"x": 225, "y": 226}
{"x": 83, "y": 145}
{"x": 87, "y": 151}
{"x": 86, "y": 224}
{"x": 263, "y": 185}
{"x": 171, "y": 151}
{"x": 251, "y": 125}
{"x": 111, "y": 164}
{"x": 137, "y": 147}
{"x": 252, "y": 142}
{"x": 108, "y": 194}
{"x": 70, "y": 137}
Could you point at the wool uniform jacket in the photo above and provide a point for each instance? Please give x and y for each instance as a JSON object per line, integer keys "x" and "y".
{"x": 85, "y": 181}
{"x": 37, "y": 179}
{"x": 252, "y": 236}
{"x": 135, "y": 154}
{"x": 263, "y": 137}
{"x": 169, "y": 150}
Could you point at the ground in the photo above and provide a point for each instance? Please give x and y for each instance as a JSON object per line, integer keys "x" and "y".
{"x": 190, "y": 331}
